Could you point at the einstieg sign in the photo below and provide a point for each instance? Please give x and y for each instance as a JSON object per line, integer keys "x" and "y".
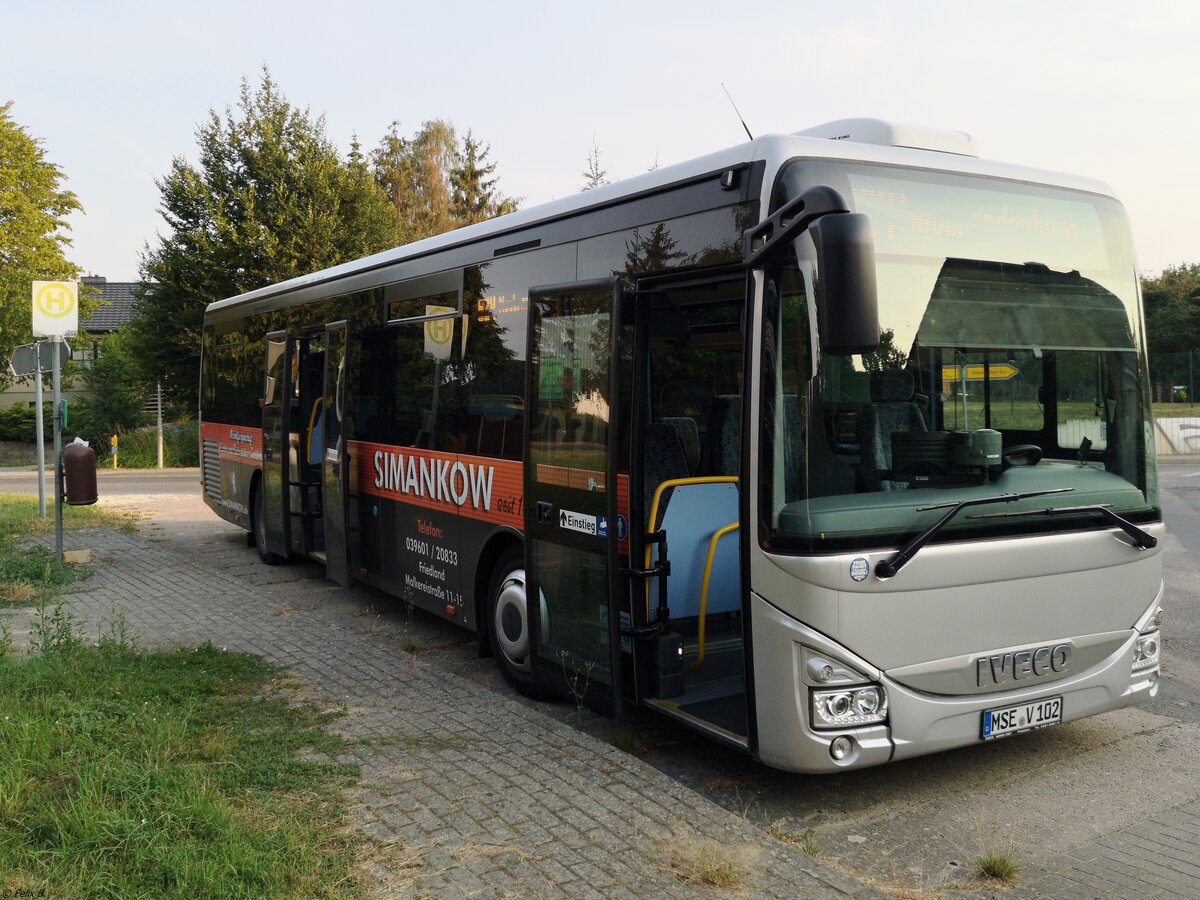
{"x": 55, "y": 308}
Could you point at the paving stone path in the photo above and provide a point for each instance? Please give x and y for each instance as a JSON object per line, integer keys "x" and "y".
{"x": 467, "y": 789}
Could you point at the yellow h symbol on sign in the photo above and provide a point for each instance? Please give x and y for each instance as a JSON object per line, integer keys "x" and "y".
{"x": 55, "y": 300}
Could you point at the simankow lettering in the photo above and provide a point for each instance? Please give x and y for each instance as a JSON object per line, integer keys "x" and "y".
{"x": 440, "y": 480}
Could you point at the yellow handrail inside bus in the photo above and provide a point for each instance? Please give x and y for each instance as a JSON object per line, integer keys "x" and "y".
{"x": 658, "y": 492}
{"x": 312, "y": 421}
{"x": 712, "y": 549}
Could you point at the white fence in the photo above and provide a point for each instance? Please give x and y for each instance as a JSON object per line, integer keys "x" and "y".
{"x": 1173, "y": 436}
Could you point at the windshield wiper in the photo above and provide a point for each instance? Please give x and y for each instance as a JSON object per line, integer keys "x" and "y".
{"x": 889, "y": 567}
{"x": 1144, "y": 540}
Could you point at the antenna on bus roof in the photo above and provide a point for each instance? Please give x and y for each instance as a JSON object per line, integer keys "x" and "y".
{"x": 735, "y": 109}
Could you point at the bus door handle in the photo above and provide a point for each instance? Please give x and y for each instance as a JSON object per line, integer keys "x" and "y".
{"x": 545, "y": 512}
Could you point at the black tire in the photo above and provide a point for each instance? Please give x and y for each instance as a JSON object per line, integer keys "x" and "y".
{"x": 508, "y": 622}
{"x": 258, "y": 526}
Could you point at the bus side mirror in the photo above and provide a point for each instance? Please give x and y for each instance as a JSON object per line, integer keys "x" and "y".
{"x": 847, "y": 304}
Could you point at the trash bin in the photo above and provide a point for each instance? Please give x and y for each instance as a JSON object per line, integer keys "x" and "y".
{"x": 79, "y": 473}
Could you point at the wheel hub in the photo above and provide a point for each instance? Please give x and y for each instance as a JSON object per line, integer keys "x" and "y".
{"x": 512, "y": 620}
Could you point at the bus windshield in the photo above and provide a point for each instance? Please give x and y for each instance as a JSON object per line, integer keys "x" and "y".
{"x": 1010, "y": 360}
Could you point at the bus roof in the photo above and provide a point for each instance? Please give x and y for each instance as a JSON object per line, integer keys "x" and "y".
{"x": 861, "y": 140}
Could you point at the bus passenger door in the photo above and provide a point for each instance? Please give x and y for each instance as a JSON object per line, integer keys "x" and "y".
{"x": 276, "y": 426}
{"x": 330, "y": 437}
{"x": 571, "y": 524}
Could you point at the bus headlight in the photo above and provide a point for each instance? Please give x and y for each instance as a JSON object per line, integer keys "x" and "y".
{"x": 1146, "y": 651}
{"x": 865, "y": 705}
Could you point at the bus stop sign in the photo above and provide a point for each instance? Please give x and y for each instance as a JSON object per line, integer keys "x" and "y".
{"x": 30, "y": 359}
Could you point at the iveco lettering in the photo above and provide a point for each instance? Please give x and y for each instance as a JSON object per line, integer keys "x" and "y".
{"x": 834, "y": 446}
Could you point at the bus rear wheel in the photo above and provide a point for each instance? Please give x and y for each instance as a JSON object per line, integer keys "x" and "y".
{"x": 259, "y": 526}
{"x": 508, "y": 622}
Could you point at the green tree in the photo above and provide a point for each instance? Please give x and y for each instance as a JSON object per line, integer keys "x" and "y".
{"x": 593, "y": 175}
{"x": 1172, "y": 301}
{"x": 887, "y": 355}
{"x": 269, "y": 200}
{"x": 116, "y": 395}
{"x": 475, "y": 197}
{"x": 414, "y": 173}
{"x": 33, "y": 240}
{"x": 435, "y": 184}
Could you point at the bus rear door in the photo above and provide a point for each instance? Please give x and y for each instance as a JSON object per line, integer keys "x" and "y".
{"x": 275, "y": 526}
{"x": 329, "y": 435}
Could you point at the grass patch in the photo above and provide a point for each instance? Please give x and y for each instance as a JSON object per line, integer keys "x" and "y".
{"x": 34, "y": 574}
{"x": 1176, "y": 410}
{"x": 182, "y": 773}
{"x": 19, "y": 517}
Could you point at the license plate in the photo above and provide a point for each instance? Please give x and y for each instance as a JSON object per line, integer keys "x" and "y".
{"x": 1021, "y": 717}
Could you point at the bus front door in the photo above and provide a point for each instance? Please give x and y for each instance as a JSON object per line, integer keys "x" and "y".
{"x": 329, "y": 436}
{"x": 571, "y": 523}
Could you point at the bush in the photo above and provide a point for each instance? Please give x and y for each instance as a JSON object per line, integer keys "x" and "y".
{"x": 19, "y": 423}
{"x": 138, "y": 448}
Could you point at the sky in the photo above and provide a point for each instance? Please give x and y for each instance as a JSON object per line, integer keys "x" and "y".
{"x": 116, "y": 89}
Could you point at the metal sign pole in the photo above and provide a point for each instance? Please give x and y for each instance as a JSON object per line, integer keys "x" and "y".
{"x": 41, "y": 429}
{"x": 58, "y": 475}
{"x": 158, "y": 413}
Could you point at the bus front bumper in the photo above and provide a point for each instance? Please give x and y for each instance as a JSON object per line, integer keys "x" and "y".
{"x": 918, "y": 723}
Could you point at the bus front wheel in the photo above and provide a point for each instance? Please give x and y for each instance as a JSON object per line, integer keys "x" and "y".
{"x": 260, "y": 531}
{"x": 508, "y": 622}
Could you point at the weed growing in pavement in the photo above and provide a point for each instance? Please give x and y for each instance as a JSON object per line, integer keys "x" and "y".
{"x": 629, "y": 741}
{"x": 413, "y": 646}
{"x": 573, "y": 677}
{"x": 54, "y": 631}
{"x": 114, "y": 635}
{"x": 993, "y": 862}
{"x": 997, "y": 866}
{"x": 708, "y": 862}
{"x": 424, "y": 741}
{"x": 806, "y": 840}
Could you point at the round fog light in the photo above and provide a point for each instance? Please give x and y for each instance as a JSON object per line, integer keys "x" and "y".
{"x": 841, "y": 747}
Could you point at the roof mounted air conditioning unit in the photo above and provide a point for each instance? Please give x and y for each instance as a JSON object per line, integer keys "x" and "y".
{"x": 895, "y": 134}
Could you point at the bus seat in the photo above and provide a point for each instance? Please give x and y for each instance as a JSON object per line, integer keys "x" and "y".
{"x": 664, "y": 458}
{"x": 891, "y": 409}
{"x": 723, "y": 440}
{"x": 689, "y": 435}
{"x": 695, "y": 513}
